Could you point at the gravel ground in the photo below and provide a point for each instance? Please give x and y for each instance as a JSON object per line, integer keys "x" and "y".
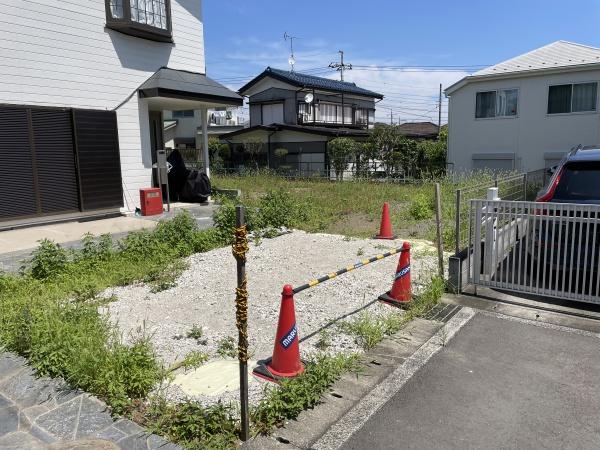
{"x": 205, "y": 292}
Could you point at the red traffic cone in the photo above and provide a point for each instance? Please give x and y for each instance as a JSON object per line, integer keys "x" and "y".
{"x": 285, "y": 362}
{"x": 385, "y": 229}
{"x": 401, "y": 289}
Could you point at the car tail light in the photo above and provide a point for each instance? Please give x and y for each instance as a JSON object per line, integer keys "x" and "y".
{"x": 549, "y": 194}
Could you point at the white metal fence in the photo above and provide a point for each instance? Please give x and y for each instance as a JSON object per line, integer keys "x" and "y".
{"x": 549, "y": 249}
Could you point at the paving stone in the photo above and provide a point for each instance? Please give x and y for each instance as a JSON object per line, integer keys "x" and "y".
{"x": 128, "y": 427}
{"x": 9, "y": 364}
{"x": 41, "y": 434}
{"x": 20, "y": 441}
{"x": 93, "y": 417}
{"x": 61, "y": 422}
{"x": 66, "y": 393}
{"x": 137, "y": 441}
{"x": 4, "y": 401}
{"x": 9, "y": 420}
{"x": 85, "y": 444}
{"x": 28, "y": 415}
{"x": 159, "y": 443}
{"x": 27, "y": 390}
{"x": 111, "y": 433}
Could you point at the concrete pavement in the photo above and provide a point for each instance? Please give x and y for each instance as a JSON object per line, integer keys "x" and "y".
{"x": 16, "y": 245}
{"x": 501, "y": 382}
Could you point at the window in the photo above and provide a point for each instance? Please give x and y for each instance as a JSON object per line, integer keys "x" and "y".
{"x": 362, "y": 116}
{"x": 332, "y": 113}
{"x": 304, "y": 112}
{"x": 500, "y": 103}
{"x": 579, "y": 181}
{"x": 567, "y": 98}
{"x": 149, "y": 19}
{"x": 183, "y": 113}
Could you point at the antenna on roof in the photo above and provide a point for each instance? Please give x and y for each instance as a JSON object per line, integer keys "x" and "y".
{"x": 291, "y": 59}
{"x": 340, "y": 67}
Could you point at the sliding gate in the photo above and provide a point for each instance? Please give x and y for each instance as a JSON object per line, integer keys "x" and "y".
{"x": 549, "y": 249}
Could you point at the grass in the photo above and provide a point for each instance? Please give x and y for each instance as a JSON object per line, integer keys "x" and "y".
{"x": 369, "y": 330}
{"x": 49, "y": 312}
{"x": 353, "y": 208}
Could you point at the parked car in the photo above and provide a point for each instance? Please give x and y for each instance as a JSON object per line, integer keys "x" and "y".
{"x": 571, "y": 244}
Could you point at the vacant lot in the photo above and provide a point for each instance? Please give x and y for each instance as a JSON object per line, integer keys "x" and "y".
{"x": 353, "y": 208}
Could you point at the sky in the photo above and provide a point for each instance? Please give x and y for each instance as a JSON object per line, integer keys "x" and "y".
{"x": 401, "y": 49}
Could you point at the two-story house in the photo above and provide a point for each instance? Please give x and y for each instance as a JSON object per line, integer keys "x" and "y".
{"x": 527, "y": 112}
{"x": 83, "y": 87}
{"x": 300, "y": 113}
{"x": 183, "y": 129}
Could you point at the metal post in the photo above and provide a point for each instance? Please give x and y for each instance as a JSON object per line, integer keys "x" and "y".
{"x": 438, "y": 219}
{"x": 457, "y": 224}
{"x": 205, "y": 154}
{"x": 242, "y": 333}
{"x": 525, "y": 186}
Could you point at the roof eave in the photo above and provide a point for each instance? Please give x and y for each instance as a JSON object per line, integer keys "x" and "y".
{"x": 517, "y": 74}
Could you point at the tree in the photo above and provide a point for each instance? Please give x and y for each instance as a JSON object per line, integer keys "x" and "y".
{"x": 253, "y": 147}
{"x": 340, "y": 150}
{"x": 386, "y": 142}
{"x": 280, "y": 154}
{"x": 364, "y": 152}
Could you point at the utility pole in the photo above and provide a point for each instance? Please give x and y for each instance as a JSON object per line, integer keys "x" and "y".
{"x": 341, "y": 66}
{"x": 440, "y": 112}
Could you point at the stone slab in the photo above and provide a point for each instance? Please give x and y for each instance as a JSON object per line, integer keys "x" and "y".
{"x": 213, "y": 378}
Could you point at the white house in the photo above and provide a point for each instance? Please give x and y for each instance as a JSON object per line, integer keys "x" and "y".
{"x": 82, "y": 89}
{"x": 183, "y": 128}
{"x": 527, "y": 112}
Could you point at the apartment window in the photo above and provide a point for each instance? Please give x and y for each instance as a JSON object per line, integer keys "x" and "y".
{"x": 148, "y": 19}
{"x": 568, "y": 98}
{"x": 362, "y": 116}
{"x": 500, "y": 103}
{"x": 183, "y": 113}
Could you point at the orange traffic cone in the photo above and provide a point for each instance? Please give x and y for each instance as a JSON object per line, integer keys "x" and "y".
{"x": 285, "y": 362}
{"x": 401, "y": 289}
{"x": 385, "y": 229}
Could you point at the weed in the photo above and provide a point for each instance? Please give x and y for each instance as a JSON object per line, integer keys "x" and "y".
{"x": 297, "y": 394}
{"x": 360, "y": 251}
{"x": 191, "y": 424}
{"x": 420, "y": 207}
{"x": 192, "y": 360}
{"x": 347, "y": 239}
{"x": 226, "y": 348}
{"x": 324, "y": 341}
{"x": 366, "y": 329}
{"x": 48, "y": 260}
{"x": 162, "y": 279}
{"x": 196, "y": 332}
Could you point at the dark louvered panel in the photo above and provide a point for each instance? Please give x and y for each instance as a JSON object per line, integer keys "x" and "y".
{"x": 97, "y": 143}
{"x": 17, "y": 196}
{"x": 55, "y": 158}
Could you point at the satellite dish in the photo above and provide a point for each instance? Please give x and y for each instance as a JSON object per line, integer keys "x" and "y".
{"x": 292, "y": 61}
{"x": 308, "y": 98}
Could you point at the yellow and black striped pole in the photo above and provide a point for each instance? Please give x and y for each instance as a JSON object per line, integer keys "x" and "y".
{"x": 356, "y": 265}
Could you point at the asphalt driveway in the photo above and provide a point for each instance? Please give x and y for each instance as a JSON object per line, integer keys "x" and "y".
{"x": 499, "y": 383}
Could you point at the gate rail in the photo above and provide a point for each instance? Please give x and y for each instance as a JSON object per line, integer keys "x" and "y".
{"x": 549, "y": 249}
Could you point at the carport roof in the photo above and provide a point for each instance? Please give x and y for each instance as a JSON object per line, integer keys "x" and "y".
{"x": 181, "y": 84}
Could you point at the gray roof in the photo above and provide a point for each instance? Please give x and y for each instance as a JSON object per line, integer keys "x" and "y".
{"x": 556, "y": 54}
{"x": 311, "y": 81}
{"x": 182, "y": 84}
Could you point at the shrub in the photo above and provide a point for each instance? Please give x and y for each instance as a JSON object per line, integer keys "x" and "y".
{"x": 279, "y": 209}
{"x": 420, "y": 207}
{"x": 48, "y": 260}
{"x": 339, "y": 151}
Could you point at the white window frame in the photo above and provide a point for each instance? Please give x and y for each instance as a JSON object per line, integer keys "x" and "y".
{"x": 572, "y": 83}
{"x": 515, "y": 116}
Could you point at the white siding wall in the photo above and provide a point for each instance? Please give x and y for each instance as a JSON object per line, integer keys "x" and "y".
{"x": 60, "y": 54}
{"x": 531, "y": 134}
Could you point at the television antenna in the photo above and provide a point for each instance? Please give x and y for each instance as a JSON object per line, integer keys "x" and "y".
{"x": 291, "y": 59}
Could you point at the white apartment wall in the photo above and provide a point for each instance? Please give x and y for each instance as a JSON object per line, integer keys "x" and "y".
{"x": 531, "y": 134}
{"x": 60, "y": 54}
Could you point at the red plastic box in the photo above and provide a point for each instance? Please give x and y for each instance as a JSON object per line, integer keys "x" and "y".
{"x": 151, "y": 201}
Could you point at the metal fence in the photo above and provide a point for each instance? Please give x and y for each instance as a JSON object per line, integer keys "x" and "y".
{"x": 549, "y": 249}
{"x": 523, "y": 186}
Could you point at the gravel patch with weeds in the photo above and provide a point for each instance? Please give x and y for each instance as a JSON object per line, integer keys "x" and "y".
{"x": 205, "y": 292}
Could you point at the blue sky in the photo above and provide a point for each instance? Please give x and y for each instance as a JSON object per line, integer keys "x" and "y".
{"x": 242, "y": 37}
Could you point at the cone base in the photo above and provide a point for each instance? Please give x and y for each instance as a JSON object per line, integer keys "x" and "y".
{"x": 390, "y": 238}
{"x": 386, "y": 298}
{"x": 266, "y": 372}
